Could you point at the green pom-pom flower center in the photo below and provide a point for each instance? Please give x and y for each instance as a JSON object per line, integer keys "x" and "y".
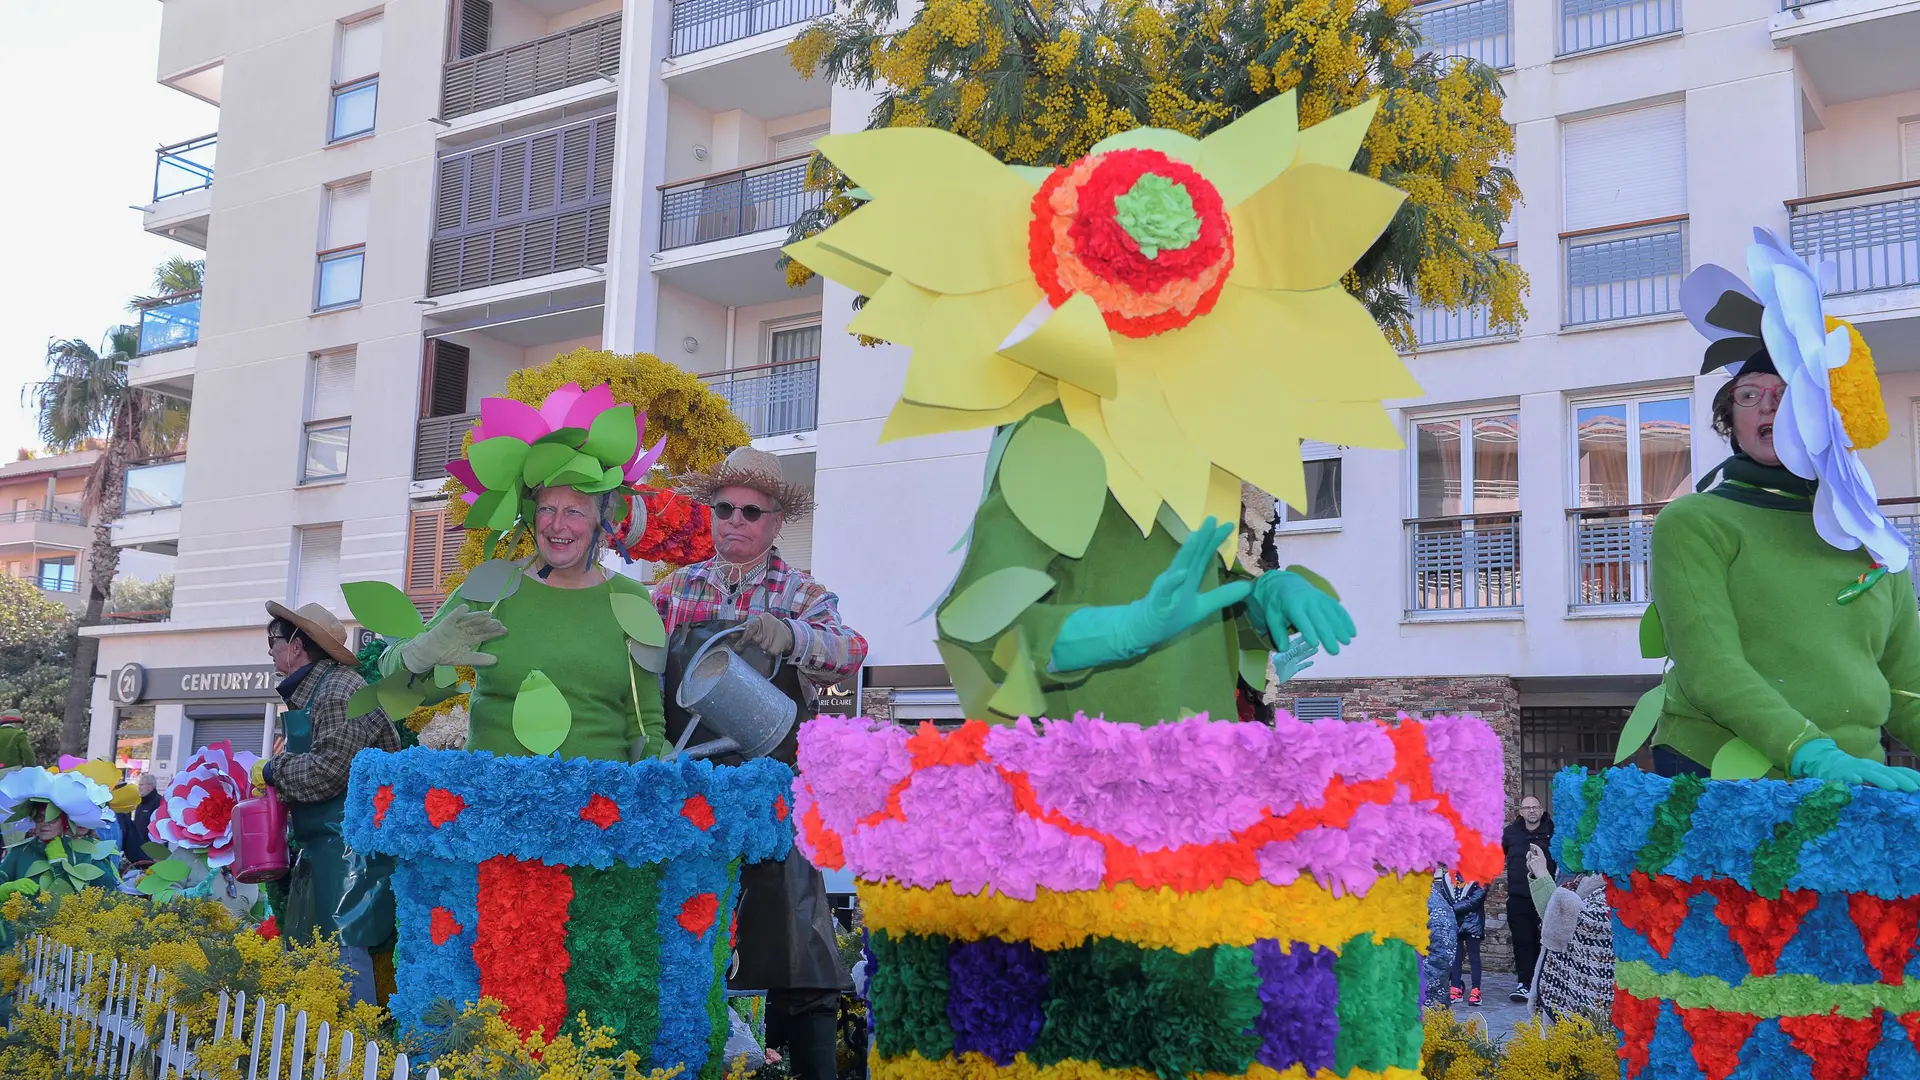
{"x": 1158, "y": 214}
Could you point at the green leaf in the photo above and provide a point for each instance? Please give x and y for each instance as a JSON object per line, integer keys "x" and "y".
{"x": 364, "y": 700}
{"x": 995, "y": 451}
{"x": 398, "y": 697}
{"x": 56, "y": 850}
{"x": 1653, "y": 637}
{"x": 638, "y": 619}
{"x": 84, "y": 871}
{"x": 1253, "y": 668}
{"x": 610, "y": 479}
{"x": 650, "y": 657}
{"x": 1640, "y": 723}
{"x": 1019, "y": 694}
{"x": 171, "y": 870}
{"x": 491, "y": 581}
{"x": 569, "y": 437}
{"x": 613, "y": 438}
{"x": 156, "y": 852}
{"x": 382, "y": 608}
{"x": 1738, "y": 760}
{"x": 445, "y": 675}
{"x": 83, "y": 845}
{"x": 541, "y": 715}
{"x": 36, "y": 868}
{"x": 990, "y": 604}
{"x": 1055, "y": 482}
{"x": 149, "y": 885}
{"x": 498, "y": 462}
{"x": 543, "y": 461}
{"x": 1315, "y": 580}
{"x": 509, "y": 513}
{"x": 579, "y": 469}
{"x": 484, "y": 508}
{"x": 60, "y": 886}
{"x": 970, "y": 680}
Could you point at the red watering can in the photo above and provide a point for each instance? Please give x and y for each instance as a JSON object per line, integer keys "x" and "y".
{"x": 260, "y": 832}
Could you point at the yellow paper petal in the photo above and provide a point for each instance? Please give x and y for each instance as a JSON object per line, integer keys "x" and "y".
{"x": 836, "y": 265}
{"x": 1129, "y": 489}
{"x": 1171, "y": 143}
{"x": 908, "y": 420}
{"x": 1073, "y": 345}
{"x": 1223, "y": 504}
{"x": 1249, "y": 153}
{"x": 895, "y": 312}
{"x": 1335, "y": 141}
{"x": 1306, "y": 229}
{"x": 1350, "y": 423}
{"x": 1146, "y": 430}
{"x": 954, "y": 365}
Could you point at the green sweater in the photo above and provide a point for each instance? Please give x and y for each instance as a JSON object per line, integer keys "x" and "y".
{"x": 1760, "y": 647}
{"x": 16, "y": 747}
{"x": 572, "y": 636}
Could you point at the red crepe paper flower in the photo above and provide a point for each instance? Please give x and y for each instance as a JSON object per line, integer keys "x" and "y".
{"x": 269, "y": 929}
{"x": 699, "y": 811}
{"x": 679, "y": 531}
{"x": 1911, "y": 1022}
{"x": 443, "y": 806}
{"x": 1761, "y": 927}
{"x": 1653, "y": 907}
{"x": 601, "y": 811}
{"x": 780, "y": 810}
{"x": 697, "y": 914}
{"x": 1887, "y": 929}
{"x": 1635, "y": 1018}
{"x": 520, "y": 944}
{"x": 444, "y": 926}
{"x": 1717, "y": 1039}
{"x": 382, "y": 802}
{"x": 1838, "y": 1045}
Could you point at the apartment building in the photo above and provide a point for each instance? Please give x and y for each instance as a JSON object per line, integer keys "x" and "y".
{"x": 43, "y": 531}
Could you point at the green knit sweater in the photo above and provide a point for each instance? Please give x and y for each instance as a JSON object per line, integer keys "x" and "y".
{"x": 572, "y": 636}
{"x": 1761, "y": 649}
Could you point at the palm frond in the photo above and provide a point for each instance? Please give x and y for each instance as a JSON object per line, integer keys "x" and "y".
{"x": 177, "y": 275}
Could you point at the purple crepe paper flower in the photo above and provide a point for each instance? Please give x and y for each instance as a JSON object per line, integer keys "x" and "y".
{"x": 995, "y": 993}
{"x": 1459, "y": 748}
{"x": 1298, "y": 995}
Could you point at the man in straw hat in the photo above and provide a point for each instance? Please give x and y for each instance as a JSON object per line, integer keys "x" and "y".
{"x": 329, "y": 889}
{"x": 786, "y": 942}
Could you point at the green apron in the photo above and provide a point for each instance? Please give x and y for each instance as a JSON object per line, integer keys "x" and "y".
{"x": 330, "y": 887}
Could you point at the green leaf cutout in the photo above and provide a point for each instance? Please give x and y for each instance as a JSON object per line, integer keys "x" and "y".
{"x": 612, "y": 439}
{"x": 56, "y": 850}
{"x": 1315, "y": 580}
{"x": 638, "y": 619}
{"x": 970, "y": 680}
{"x": 398, "y": 697}
{"x": 172, "y": 870}
{"x": 1653, "y": 637}
{"x": 569, "y": 437}
{"x": 1640, "y": 723}
{"x": 543, "y": 461}
{"x": 610, "y": 479}
{"x": 1253, "y": 667}
{"x": 541, "y": 716}
{"x": 364, "y": 700}
{"x": 497, "y": 462}
{"x": 83, "y": 845}
{"x": 995, "y": 451}
{"x": 491, "y": 581}
{"x": 445, "y": 675}
{"x": 381, "y": 608}
{"x": 650, "y": 657}
{"x": 36, "y": 868}
{"x": 84, "y": 871}
{"x": 579, "y": 469}
{"x": 1019, "y": 694}
{"x": 1738, "y": 760}
{"x": 1055, "y": 482}
{"x": 990, "y": 604}
{"x": 156, "y": 852}
{"x": 148, "y": 885}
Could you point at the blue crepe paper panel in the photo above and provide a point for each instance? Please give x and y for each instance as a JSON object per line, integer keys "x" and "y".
{"x": 1670, "y": 1054}
{"x": 1894, "y": 1058}
{"x": 1828, "y": 946}
{"x": 1769, "y": 1055}
{"x": 1702, "y": 947}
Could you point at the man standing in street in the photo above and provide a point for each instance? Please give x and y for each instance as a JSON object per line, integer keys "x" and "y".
{"x": 16, "y": 747}
{"x": 1533, "y": 828}
{"x": 786, "y": 942}
{"x": 309, "y": 768}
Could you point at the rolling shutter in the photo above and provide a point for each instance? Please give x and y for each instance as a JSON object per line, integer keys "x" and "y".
{"x": 358, "y": 53}
{"x": 319, "y": 566}
{"x": 432, "y": 551}
{"x": 793, "y": 143}
{"x": 796, "y": 544}
{"x": 246, "y": 733}
{"x": 1625, "y": 167}
{"x": 332, "y": 387}
{"x": 347, "y": 210}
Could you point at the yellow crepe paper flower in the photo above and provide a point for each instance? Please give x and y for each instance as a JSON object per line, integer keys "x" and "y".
{"x": 1180, "y": 297}
{"x": 1855, "y": 387}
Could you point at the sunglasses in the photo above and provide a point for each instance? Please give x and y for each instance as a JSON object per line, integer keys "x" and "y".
{"x": 275, "y": 639}
{"x": 750, "y": 514}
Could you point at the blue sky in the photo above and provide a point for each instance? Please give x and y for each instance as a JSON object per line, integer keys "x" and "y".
{"x": 86, "y": 118}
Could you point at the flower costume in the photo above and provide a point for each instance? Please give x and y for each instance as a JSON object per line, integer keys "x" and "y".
{"x": 64, "y": 864}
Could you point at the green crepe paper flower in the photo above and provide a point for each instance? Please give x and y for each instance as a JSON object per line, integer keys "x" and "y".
{"x": 1158, "y": 214}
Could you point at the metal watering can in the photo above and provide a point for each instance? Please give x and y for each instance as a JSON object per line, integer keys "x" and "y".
{"x": 260, "y": 825}
{"x": 745, "y": 710}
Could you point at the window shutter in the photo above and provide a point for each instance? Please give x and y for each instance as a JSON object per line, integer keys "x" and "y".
{"x": 796, "y": 544}
{"x": 1314, "y": 450}
{"x": 1910, "y": 150}
{"x": 429, "y": 557}
{"x": 358, "y": 52}
{"x": 319, "y": 568}
{"x": 795, "y": 142}
{"x": 1625, "y": 167}
{"x": 332, "y": 387}
{"x": 244, "y": 732}
{"x": 163, "y": 753}
{"x": 799, "y": 343}
{"x": 1318, "y": 708}
{"x": 475, "y": 29}
{"x": 448, "y": 367}
{"x": 347, "y": 209}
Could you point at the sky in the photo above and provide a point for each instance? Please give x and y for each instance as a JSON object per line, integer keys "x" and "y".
{"x": 87, "y": 117}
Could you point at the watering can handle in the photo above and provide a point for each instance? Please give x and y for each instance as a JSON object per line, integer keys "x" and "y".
{"x": 738, "y": 628}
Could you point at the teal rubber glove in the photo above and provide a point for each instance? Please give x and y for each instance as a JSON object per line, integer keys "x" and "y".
{"x": 1822, "y": 759}
{"x": 454, "y": 641}
{"x": 1283, "y": 602}
{"x": 1293, "y": 660}
{"x": 1098, "y": 636}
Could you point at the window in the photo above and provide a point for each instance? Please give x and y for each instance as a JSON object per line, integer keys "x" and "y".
{"x": 133, "y": 740}
{"x": 343, "y": 245}
{"x": 317, "y": 566}
{"x": 1632, "y": 452}
{"x": 1910, "y": 149}
{"x": 356, "y": 78}
{"x": 911, "y": 706}
{"x": 60, "y": 575}
{"x": 329, "y": 417}
{"x": 1484, "y": 479}
{"x": 1554, "y": 737}
{"x": 1464, "y": 546}
{"x": 1322, "y": 464}
{"x": 1625, "y": 181}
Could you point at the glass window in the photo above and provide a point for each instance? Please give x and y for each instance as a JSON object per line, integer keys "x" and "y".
{"x": 1449, "y": 483}
{"x": 340, "y": 273}
{"x": 326, "y": 451}
{"x": 353, "y": 109}
{"x": 59, "y": 575}
{"x": 1633, "y": 452}
{"x": 133, "y": 743}
{"x": 1323, "y": 493}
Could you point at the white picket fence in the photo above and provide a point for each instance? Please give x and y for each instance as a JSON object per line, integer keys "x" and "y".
{"x": 61, "y": 981}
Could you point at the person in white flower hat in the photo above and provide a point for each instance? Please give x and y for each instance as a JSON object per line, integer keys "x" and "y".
{"x": 62, "y": 853}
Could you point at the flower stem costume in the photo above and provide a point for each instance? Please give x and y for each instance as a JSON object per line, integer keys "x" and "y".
{"x": 66, "y": 863}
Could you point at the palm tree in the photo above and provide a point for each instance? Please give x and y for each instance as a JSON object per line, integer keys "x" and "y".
{"x": 177, "y": 275}
{"x": 86, "y": 397}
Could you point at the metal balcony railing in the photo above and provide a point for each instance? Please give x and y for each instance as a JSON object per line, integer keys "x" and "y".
{"x": 1597, "y": 24}
{"x": 1453, "y": 326}
{"x": 158, "y": 486}
{"x": 183, "y": 167}
{"x": 578, "y": 54}
{"x": 1476, "y": 29}
{"x": 1904, "y": 515}
{"x": 437, "y": 441}
{"x": 772, "y": 399}
{"x": 1612, "y": 550}
{"x": 169, "y": 322}
{"x": 1872, "y": 235}
{"x": 1463, "y": 563}
{"x": 1624, "y": 271}
{"x": 55, "y": 516}
{"x": 702, "y": 24}
{"x": 730, "y": 204}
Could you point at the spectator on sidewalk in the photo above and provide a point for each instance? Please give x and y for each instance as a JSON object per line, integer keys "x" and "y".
{"x": 1533, "y": 828}
{"x": 1575, "y": 972}
{"x": 16, "y": 747}
{"x": 1469, "y": 902}
{"x": 1443, "y": 932}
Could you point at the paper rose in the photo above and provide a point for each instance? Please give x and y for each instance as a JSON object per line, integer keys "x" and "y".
{"x": 1811, "y": 433}
{"x": 196, "y": 810}
{"x": 83, "y": 801}
{"x": 1179, "y": 297}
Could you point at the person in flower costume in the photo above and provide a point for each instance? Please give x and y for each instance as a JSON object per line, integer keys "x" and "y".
{"x": 1781, "y": 594}
{"x": 1147, "y": 327}
{"x": 61, "y": 853}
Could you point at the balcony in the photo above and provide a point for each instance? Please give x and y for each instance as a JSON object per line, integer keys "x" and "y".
{"x": 169, "y": 322}
{"x": 704, "y": 24}
{"x": 1480, "y": 30}
{"x": 182, "y": 183}
{"x": 1904, "y": 514}
{"x": 771, "y": 399}
{"x": 150, "y": 510}
{"x": 1852, "y": 49}
{"x": 1872, "y": 235}
{"x": 1463, "y": 563}
{"x": 1441, "y": 328}
{"x": 36, "y": 529}
{"x": 720, "y": 235}
{"x": 578, "y": 55}
{"x": 1612, "y": 550}
{"x": 1624, "y": 272}
{"x": 436, "y": 441}
{"x": 1587, "y": 25}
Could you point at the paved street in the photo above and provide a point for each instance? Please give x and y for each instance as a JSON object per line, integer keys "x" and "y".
{"x": 1499, "y": 1014}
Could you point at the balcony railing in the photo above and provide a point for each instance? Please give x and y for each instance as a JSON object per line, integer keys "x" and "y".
{"x": 1453, "y": 326}
{"x": 437, "y": 441}
{"x": 1597, "y": 24}
{"x": 154, "y": 487}
{"x": 772, "y": 399}
{"x": 1904, "y": 515}
{"x": 1476, "y": 29}
{"x": 183, "y": 167}
{"x": 1624, "y": 271}
{"x": 169, "y": 322}
{"x": 54, "y": 516}
{"x": 1612, "y": 550}
{"x": 1463, "y": 563}
{"x": 702, "y": 24}
{"x": 578, "y": 54}
{"x": 726, "y": 205}
{"x": 1872, "y": 235}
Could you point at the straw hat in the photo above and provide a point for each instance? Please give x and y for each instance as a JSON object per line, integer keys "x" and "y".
{"x": 756, "y": 469}
{"x": 323, "y": 626}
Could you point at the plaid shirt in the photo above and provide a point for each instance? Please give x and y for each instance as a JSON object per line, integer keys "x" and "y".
{"x": 825, "y": 649}
{"x": 321, "y": 772}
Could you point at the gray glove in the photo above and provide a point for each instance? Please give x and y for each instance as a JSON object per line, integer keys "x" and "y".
{"x": 453, "y": 641}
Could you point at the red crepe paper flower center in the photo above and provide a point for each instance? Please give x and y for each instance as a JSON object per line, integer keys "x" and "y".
{"x": 1635, "y": 1019}
{"x": 601, "y": 811}
{"x": 1653, "y": 907}
{"x": 698, "y": 811}
{"x": 1082, "y": 240}
{"x": 443, "y": 806}
{"x": 382, "y": 802}
{"x": 269, "y": 928}
{"x": 1887, "y": 929}
{"x": 697, "y": 914}
{"x": 1761, "y": 927}
{"x": 678, "y": 530}
{"x": 214, "y": 813}
{"x": 1717, "y": 1039}
{"x": 780, "y": 809}
{"x": 444, "y": 926}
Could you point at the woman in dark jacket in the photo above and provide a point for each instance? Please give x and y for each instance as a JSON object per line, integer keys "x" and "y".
{"x": 1470, "y": 907}
{"x": 133, "y": 827}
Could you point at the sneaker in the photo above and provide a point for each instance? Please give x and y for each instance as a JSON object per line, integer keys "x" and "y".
{"x": 1519, "y": 993}
{"x": 1473, "y": 996}
{"x": 1454, "y": 995}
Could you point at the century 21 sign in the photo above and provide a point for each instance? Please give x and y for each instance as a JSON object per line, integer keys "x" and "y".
{"x": 133, "y": 683}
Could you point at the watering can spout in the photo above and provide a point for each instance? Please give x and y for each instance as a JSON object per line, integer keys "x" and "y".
{"x": 746, "y": 713}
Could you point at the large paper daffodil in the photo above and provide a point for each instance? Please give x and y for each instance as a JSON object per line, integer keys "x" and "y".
{"x": 1179, "y": 297}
